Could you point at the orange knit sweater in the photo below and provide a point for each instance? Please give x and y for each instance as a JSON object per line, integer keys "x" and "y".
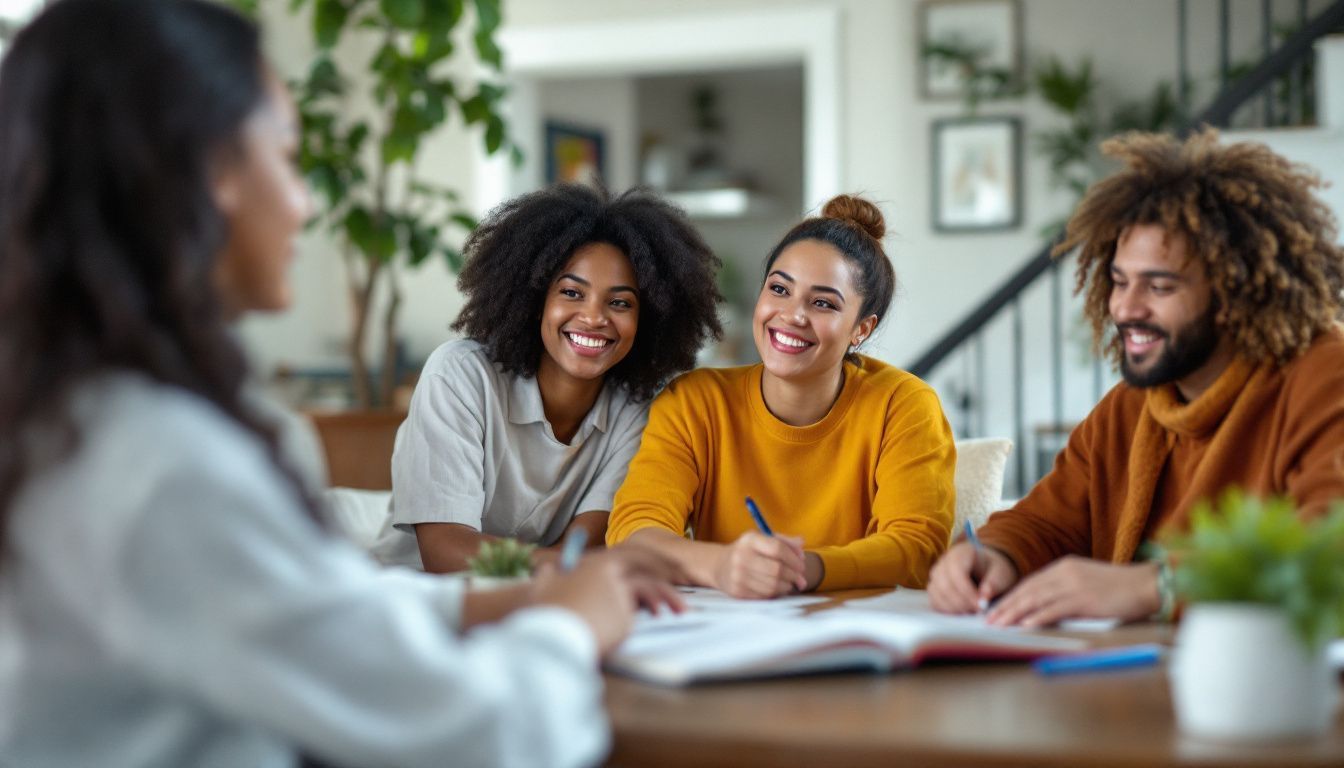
{"x": 1142, "y": 459}
{"x": 868, "y": 488}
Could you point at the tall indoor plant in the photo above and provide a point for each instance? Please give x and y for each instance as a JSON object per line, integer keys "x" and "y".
{"x": 1264, "y": 593}
{"x": 364, "y": 121}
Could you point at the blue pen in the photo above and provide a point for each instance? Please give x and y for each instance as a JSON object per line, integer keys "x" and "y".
{"x": 1130, "y": 656}
{"x": 758, "y": 517}
{"x": 983, "y": 605}
{"x": 572, "y": 549}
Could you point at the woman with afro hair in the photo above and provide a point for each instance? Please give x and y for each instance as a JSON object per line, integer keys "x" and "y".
{"x": 580, "y": 306}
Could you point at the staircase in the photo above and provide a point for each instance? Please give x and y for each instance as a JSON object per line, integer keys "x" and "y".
{"x": 1020, "y": 361}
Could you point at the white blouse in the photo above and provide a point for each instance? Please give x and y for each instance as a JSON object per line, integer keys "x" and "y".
{"x": 164, "y": 601}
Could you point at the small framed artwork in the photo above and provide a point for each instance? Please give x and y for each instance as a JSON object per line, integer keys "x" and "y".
{"x": 977, "y": 174}
{"x": 969, "y": 39}
{"x": 574, "y": 154}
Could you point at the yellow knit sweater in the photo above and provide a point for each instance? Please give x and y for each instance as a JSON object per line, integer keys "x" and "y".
{"x": 868, "y": 488}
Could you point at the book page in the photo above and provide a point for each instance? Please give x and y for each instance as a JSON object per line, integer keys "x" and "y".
{"x": 704, "y": 604}
{"x": 709, "y": 599}
{"x": 916, "y": 602}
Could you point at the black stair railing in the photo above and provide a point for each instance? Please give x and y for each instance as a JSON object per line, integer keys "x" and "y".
{"x": 1287, "y": 62}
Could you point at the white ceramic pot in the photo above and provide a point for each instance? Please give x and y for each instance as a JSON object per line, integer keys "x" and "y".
{"x": 1240, "y": 674}
{"x": 487, "y": 583}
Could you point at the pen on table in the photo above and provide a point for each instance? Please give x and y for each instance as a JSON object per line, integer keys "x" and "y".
{"x": 1126, "y": 657}
{"x": 572, "y": 549}
{"x": 758, "y": 517}
{"x": 983, "y": 604}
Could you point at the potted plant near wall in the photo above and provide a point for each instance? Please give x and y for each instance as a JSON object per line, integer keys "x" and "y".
{"x": 1264, "y": 594}
{"x": 387, "y": 76}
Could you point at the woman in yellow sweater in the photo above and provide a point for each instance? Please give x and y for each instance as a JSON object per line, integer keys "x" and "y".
{"x": 849, "y": 459}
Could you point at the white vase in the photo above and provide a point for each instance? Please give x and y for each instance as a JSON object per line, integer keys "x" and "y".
{"x": 1239, "y": 673}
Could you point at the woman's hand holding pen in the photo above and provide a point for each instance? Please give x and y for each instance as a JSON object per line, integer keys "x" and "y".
{"x": 761, "y": 566}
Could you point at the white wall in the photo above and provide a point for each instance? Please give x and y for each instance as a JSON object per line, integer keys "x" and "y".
{"x": 762, "y": 136}
{"x": 606, "y": 104}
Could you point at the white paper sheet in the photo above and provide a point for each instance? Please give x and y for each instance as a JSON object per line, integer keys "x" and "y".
{"x": 916, "y": 602}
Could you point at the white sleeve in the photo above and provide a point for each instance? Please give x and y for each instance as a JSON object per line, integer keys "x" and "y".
{"x": 224, "y": 592}
{"x": 438, "y": 466}
{"x": 625, "y": 437}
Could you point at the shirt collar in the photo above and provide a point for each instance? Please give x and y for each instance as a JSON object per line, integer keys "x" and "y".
{"x": 525, "y": 406}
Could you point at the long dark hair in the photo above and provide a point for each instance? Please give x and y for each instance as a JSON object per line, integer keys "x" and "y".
{"x": 112, "y": 115}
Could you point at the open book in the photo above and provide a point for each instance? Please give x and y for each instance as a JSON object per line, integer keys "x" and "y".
{"x": 703, "y": 647}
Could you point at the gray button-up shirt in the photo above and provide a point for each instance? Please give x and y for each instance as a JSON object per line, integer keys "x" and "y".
{"x": 476, "y": 449}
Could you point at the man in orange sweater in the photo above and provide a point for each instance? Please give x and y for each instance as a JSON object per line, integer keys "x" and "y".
{"x": 1221, "y": 275}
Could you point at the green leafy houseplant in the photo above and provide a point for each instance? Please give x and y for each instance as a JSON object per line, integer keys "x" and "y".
{"x": 364, "y": 120}
{"x": 502, "y": 558}
{"x": 1249, "y": 550}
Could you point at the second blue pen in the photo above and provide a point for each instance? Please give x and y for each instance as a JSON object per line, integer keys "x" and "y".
{"x": 1124, "y": 657}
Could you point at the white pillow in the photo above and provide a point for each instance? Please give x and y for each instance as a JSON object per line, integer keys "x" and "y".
{"x": 979, "y": 479}
{"x": 356, "y": 514}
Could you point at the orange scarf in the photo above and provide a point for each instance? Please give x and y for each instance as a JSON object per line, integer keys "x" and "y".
{"x": 1164, "y": 416}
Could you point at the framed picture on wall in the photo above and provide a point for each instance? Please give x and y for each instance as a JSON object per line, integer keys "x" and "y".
{"x": 574, "y": 154}
{"x": 963, "y": 38}
{"x": 977, "y": 174}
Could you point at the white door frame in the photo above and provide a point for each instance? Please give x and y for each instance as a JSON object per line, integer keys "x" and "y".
{"x": 809, "y": 36}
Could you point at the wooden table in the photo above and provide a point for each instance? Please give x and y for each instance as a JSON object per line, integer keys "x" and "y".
{"x": 949, "y": 715}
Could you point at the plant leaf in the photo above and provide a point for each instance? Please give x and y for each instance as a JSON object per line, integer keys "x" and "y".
{"x": 420, "y": 243}
{"x": 407, "y": 14}
{"x": 494, "y": 134}
{"x": 329, "y": 17}
{"x": 488, "y": 15}
{"x": 488, "y": 50}
{"x": 441, "y": 16}
{"x": 475, "y": 109}
{"x": 454, "y": 259}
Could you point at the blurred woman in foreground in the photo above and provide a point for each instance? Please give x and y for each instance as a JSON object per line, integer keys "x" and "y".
{"x": 166, "y": 594}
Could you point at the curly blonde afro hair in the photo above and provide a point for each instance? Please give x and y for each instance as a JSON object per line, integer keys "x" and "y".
{"x": 1268, "y": 245}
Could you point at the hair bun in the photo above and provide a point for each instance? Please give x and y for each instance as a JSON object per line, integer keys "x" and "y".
{"x": 857, "y": 211}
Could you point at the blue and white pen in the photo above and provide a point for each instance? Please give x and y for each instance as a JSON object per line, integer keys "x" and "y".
{"x": 983, "y": 604}
{"x": 758, "y": 517}
{"x": 572, "y": 549}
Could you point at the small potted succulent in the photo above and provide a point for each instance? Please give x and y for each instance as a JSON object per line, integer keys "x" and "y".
{"x": 1263, "y": 591}
{"x": 500, "y": 563}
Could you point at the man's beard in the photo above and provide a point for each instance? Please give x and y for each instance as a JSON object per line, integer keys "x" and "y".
{"x": 1185, "y": 351}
